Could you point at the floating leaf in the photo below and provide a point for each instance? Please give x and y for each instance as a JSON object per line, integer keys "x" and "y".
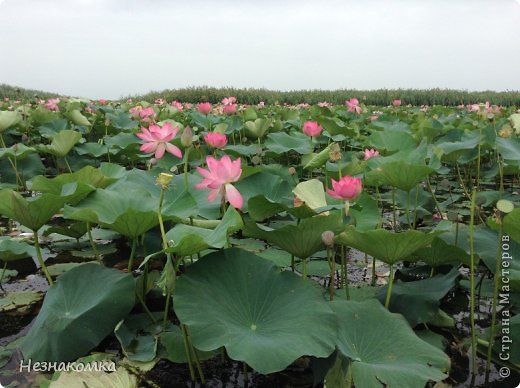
{"x": 69, "y": 324}
{"x": 440, "y": 253}
{"x": 263, "y": 307}
{"x": 12, "y": 249}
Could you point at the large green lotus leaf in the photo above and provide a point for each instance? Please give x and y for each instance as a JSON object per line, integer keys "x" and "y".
{"x": 52, "y": 126}
{"x": 121, "y": 120}
{"x": 61, "y": 143}
{"x": 173, "y": 343}
{"x": 399, "y": 174}
{"x": 281, "y": 142}
{"x": 334, "y": 126}
{"x": 319, "y": 159}
{"x": 258, "y": 128}
{"x": 271, "y": 186}
{"x": 451, "y": 149}
{"x": 390, "y": 141}
{"x": 262, "y": 316}
{"x": 418, "y": 301}
{"x": 69, "y": 325}
{"x": 440, "y": 253}
{"x": 187, "y": 240}
{"x": 384, "y": 245}
{"x": 77, "y": 118}
{"x": 73, "y": 187}
{"x": 12, "y": 249}
{"x": 300, "y": 240}
{"x": 18, "y": 151}
{"x": 508, "y": 148}
{"x": 32, "y": 212}
{"x": 9, "y": 119}
{"x": 512, "y": 225}
{"x": 130, "y": 212}
{"x": 384, "y": 350}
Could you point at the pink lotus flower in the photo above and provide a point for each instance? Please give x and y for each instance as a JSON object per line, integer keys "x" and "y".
{"x": 103, "y": 101}
{"x": 188, "y": 106}
{"x": 370, "y": 153}
{"x": 158, "y": 140}
{"x": 52, "y": 104}
{"x": 229, "y": 100}
{"x": 353, "y": 106}
{"x": 177, "y": 105}
{"x": 261, "y": 104}
{"x": 312, "y": 128}
{"x": 219, "y": 178}
{"x": 215, "y": 139}
{"x": 147, "y": 114}
{"x": 396, "y": 103}
{"x": 159, "y": 101}
{"x": 229, "y": 109}
{"x": 323, "y": 104}
{"x": 473, "y": 108}
{"x": 204, "y": 107}
{"x": 347, "y": 188}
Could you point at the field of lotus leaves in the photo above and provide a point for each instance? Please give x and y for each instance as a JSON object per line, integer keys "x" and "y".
{"x": 259, "y": 245}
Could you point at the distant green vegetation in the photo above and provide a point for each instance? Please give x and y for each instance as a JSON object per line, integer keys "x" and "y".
{"x": 17, "y": 93}
{"x": 379, "y": 97}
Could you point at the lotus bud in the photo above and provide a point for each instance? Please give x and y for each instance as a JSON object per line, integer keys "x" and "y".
{"x": 164, "y": 179}
{"x": 187, "y": 137}
{"x": 328, "y": 238}
{"x": 292, "y": 170}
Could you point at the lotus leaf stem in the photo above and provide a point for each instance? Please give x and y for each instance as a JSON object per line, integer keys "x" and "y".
{"x": 40, "y": 258}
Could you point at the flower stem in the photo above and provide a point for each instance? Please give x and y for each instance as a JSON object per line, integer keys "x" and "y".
{"x": 186, "y": 160}
{"x": 40, "y": 258}
{"x": 472, "y": 284}
{"x": 332, "y": 263}
{"x": 389, "y": 290}
{"x": 92, "y": 243}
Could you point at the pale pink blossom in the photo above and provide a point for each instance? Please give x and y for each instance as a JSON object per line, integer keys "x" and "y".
{"x": 353, "y": 106}
{"x": 261, "y": 104}
{"x": 219, "y": 178}
{"x": 103, "y": 101}
{"x": 147, "y": 114}
{"x": 323, "y": 104}
{"x": 312, "y": 128}
{"x": 347, "y": 188}
{"x": 229, "y": 100}
{"x": 370, "y": 153}
{"x": 215, "y": 139}
{"x": 157, "y": 139}
{"x": 177, "y": 105}
{"x": 187, "y": 105}
{"x": 473, "y": 108}
{"x": 204, "y": 107}
{"x": 396, "y": 103}
{"x": 159, "y": 101}
{"x": 134, "y": 111}
{"x": 52, "y": 104}
{"x": 229, "y": 109}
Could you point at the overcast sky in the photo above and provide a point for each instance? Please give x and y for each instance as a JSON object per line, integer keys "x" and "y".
{"x": 113, "y": 48}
